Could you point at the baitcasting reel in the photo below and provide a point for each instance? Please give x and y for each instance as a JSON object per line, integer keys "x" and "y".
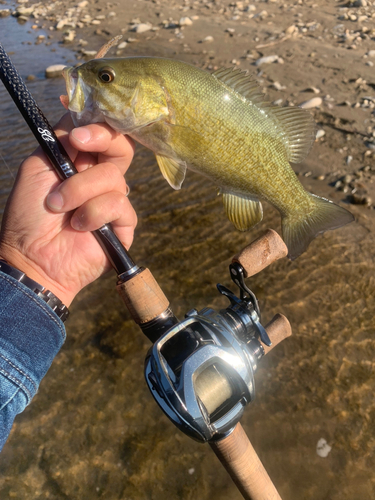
{"x": 201, "y": 371}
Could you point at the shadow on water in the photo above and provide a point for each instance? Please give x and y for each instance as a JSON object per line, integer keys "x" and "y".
{"x": 93, "y": 431}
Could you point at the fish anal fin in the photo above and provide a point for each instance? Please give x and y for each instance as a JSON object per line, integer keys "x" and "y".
{"x": 243, "y": 212}
{"x": 299, "y": 230}
{"x": 172, "y": 170}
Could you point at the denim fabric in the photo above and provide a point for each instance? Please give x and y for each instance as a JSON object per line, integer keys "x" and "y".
{"x": 31, "y": 335}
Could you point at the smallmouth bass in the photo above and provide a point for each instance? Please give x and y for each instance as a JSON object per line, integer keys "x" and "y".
{"x": 218, "y": 125}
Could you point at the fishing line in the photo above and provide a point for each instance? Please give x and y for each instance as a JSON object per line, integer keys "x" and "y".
{"x": 7, "y": 166}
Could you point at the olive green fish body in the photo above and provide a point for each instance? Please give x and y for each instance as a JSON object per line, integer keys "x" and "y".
{"x": 215, "y": 124}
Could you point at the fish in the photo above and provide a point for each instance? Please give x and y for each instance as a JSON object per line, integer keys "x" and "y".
{"x": 218, "y": 124}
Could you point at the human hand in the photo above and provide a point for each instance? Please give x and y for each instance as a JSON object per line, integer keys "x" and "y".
{"x": 46, "y": 225}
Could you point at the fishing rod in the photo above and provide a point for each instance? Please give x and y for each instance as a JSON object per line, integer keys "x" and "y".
{"x": 200, "y": 370}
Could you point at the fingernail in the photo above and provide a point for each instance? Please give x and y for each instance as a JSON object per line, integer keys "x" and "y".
{"x": 55, "y": 201}
{"x": 81, "y": 134}
{"x": 77, "y": 222}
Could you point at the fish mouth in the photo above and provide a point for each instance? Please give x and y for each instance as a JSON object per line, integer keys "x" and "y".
{"x": 81, "y": 104}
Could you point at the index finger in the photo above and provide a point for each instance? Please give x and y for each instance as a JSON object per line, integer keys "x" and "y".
{"x": 101, "y": 138}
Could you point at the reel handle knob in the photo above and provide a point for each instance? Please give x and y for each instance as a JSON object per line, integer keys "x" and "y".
{"x": 261, "y": 253}
{"x": 278, "y": 329}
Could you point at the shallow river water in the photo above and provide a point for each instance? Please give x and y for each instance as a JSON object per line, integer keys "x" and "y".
{"x": 93, "y": 430}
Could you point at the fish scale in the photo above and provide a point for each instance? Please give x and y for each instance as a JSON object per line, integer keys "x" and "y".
{"x": 218, "y": 125}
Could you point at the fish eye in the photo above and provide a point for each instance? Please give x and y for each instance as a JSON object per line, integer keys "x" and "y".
{"x": 106, "y": 75}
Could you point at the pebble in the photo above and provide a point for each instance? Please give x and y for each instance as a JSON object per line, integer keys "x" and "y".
{"x": 83, "y": 4}
{"x": 315, "y": 102}
{"x": 323, "y": 448}
{"x": 185, "y": 21}
{"x": 267, "y": 60}
{"x": 141, "y": 28}
{"x": 122, "y": 45}
{"x": 371, "y": 53}
{"x": 54, "y": 70}
{"x": 208, "y": 39}
{"x": 320, "y": 133}
{"x": 278, "y": 86}
{"x": 4, "y": 13}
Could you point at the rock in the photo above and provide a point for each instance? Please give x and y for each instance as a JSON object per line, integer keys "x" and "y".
{"x": 83, "y": 4}
{"x": 323, "y": 448}
{"x": 4, "y": 13}
{"x": 267, "y": 60}
{"x": 208, "y": 39}
{"x": 30, "y": 78}
{"x": 371, "y": 53}
{"x": 122, "y": 45}
{"x": 278, "y": 86}
{"x": 61, "y": 24}
{"x": 360, "y": 3}
{"x": 54, "y": 70}
{"x": 89, "y": 53}
{"x": 141, "y": 28}
{"x": 291, "y": 29}
{"x": 312, "y": 103}
{"x": 320, "y": 133}
{"x": 360, "y": 199}
{"x": 69, "y": 37}
{"x": 185, "y": 21}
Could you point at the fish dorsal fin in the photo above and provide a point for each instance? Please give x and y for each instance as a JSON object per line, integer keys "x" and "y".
{"x": 243, "y": 83}
{"x": 296, "y": 126}
{"x": 173, "y": 171}
{"x": 243, "y": 212}
{"x": 298, "y": 131}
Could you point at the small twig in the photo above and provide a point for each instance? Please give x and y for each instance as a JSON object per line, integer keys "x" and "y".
{"x": 263, "y": 45}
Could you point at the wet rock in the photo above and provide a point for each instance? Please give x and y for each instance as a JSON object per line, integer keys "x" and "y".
{"x": 315, "y": 102}
{"x": 54, "y": 70}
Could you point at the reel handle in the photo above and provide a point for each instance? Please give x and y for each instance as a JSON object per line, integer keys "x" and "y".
{"x": 261, "y": 253}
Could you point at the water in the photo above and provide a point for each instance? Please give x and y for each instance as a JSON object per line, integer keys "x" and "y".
{"x": 93, "y": 431}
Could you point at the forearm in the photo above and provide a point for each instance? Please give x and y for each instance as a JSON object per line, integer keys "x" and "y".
{"x": 30, "y": 337}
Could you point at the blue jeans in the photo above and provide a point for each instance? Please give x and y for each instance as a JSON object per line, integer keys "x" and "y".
{"x": 30, "y": 337}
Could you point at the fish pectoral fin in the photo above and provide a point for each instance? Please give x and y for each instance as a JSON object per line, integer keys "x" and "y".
{"x": 173, "y": 171}
{"x": 243, "y": 212}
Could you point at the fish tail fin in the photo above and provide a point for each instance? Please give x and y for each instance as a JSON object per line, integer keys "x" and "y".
{"x": 298, "y": 232}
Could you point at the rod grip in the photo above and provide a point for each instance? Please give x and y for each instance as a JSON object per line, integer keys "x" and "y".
{"x": 242, "y": 463}
{"x": 143, "y": 297}
{"x": 261, "y": 253}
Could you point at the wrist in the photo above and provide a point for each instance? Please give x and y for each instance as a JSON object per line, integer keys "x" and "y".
{"x": 15, "y": 259}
